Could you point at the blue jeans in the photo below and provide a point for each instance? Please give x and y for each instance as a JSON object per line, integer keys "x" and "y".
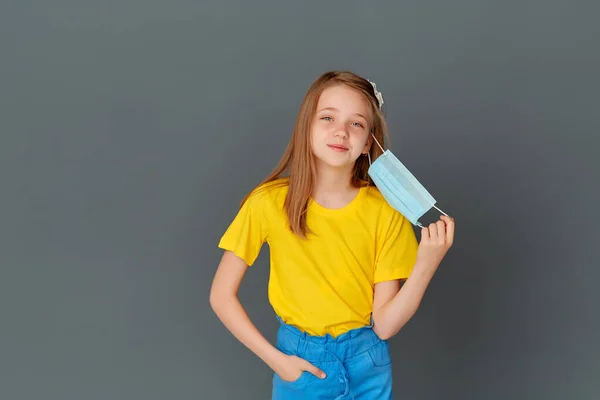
{"x": 357, "y": 363}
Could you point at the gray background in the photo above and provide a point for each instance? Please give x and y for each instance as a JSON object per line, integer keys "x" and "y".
{"x": 130, "y": 130}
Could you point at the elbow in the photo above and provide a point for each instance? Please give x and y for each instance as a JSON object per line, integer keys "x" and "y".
{"x": 215, "y": 299}
{"x": 382, "y": 330}
{"x": 220, "y": 299}
{"x": 384, "y": 334}
{"x": 212, "y": 300}
{"x": 386, "y": 328}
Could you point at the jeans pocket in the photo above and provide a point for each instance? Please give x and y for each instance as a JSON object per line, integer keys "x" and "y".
{"x": 380, "y": 354}
{"x": 298, "y": 382}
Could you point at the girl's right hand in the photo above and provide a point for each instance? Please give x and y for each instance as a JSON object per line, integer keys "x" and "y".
{"x": 292, "y": 368}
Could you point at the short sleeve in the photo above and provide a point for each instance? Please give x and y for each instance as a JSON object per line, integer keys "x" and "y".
{"x": 396, "y": 250}
{"x": 247, "y": 232}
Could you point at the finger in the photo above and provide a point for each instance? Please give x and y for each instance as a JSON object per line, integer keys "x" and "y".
{"x": 447, "y": 219}
{"x": 424, "y": 234}
{"x": 441, "y": 229}
{"x": 314, "y": 370}
{"x": 449, "y": 229}
{"x": 433, "y": 232}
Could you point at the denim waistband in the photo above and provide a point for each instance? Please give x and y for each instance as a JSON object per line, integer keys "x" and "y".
{"x": 325, "y": 348}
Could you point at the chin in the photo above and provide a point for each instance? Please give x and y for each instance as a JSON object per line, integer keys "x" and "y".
{"x": 328, "y": 162}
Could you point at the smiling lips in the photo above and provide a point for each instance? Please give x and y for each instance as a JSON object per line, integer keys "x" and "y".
{"x": 337, "y": 147}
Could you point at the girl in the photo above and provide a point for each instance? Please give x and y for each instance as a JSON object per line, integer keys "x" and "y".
{"x": 338, "y": 253}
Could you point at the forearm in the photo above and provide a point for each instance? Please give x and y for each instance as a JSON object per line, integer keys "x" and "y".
{"x": 233, "y": 315}
{"x": 393, "y": 315}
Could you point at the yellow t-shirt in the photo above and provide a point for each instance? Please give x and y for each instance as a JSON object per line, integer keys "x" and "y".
{"x": 324, "y": 284}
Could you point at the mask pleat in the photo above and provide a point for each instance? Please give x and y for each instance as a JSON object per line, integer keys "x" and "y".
{"x": 400, "y": 188}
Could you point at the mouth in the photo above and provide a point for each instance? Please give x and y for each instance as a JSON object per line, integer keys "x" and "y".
{"x": 337, "y": 147}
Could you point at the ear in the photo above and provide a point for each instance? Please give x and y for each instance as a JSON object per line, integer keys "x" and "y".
{"x": 368, "y": 144}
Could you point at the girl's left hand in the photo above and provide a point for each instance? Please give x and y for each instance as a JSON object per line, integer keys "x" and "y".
{"x": 436, "y": 240}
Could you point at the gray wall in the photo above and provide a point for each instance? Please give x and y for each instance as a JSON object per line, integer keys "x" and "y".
{"x": 131, "y": 129}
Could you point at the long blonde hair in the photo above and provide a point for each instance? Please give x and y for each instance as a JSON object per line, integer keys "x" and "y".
{"x": 298, "y": 159}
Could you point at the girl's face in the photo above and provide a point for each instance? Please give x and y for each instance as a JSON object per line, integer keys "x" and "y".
{"x": 340, "y": 130}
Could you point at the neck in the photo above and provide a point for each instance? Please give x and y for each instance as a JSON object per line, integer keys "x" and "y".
{"x": 333, "y": 180}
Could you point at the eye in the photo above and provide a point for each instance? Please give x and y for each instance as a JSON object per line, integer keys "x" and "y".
{"x": 358, "y": 124}
{"x": 326, "y": 118}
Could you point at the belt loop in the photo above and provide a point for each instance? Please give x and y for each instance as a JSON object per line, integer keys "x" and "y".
{"x": 301, "y": 347}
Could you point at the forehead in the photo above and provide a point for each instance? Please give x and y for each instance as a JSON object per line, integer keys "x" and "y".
{"x": 345, "y": 99}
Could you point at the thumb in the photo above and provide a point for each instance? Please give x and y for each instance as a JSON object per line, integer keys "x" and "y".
{"x": 314, "y": 370}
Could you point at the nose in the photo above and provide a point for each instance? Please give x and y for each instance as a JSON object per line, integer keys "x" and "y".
{"x": 342, "y": 132}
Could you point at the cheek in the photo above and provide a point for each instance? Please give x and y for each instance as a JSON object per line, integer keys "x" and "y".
{"x": 361, "y": 139}
{"x": 315, "y": 136}
{"x": 317, "y": 132}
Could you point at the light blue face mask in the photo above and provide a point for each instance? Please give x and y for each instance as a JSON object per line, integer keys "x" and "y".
{"x": 399, "y": 187}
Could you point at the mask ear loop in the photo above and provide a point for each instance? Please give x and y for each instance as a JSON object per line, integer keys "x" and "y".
{"x": 369, "y": 154}
{"x": 382, "y": 150}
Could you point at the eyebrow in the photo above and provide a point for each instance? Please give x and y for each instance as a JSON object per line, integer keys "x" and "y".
{"x": 336, "y": 110}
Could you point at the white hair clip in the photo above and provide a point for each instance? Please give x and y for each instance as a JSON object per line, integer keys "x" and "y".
{"x": 377, "y": 94}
